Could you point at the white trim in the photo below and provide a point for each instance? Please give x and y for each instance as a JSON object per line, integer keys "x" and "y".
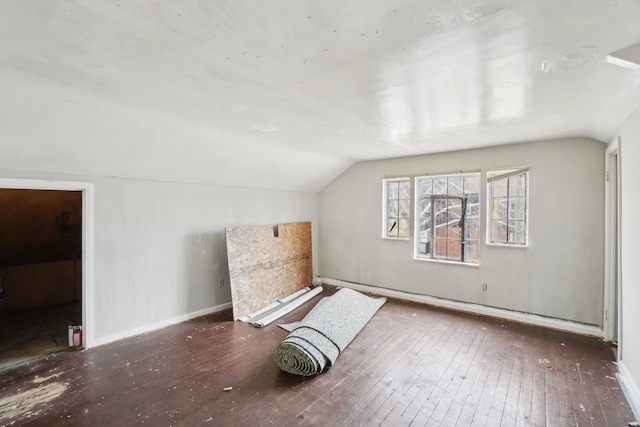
{"x": 281, "y": 301}
{"x": 458, "y": 174}
{"x": 506, "y": 245}
{"x": 630, "y": 389}
{"x": 445, "y": 261}
{"x": 87, "y": 241}
{"x": 397, "y": 239}
{"x": 501, "y": 173}
{"x": 532, "y": 319}
{"x": 287, "y": 308}
{"x": 159, "y": 325}
{"x": 88, "y": 308}
{"x": 612, "y": 239}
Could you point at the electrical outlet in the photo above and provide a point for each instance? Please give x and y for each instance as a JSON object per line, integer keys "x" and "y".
{"x": 220, "y": 283}
{"x": 484, "y": 286}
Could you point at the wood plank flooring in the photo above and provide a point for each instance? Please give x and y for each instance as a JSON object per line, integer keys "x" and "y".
{"x": 411, "y": 365}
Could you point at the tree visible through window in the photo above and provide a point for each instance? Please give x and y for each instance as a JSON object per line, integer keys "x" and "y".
{"x": 448, "y": 217}
{"x": 508, "y": 203}
{"x": 397, "y": 208}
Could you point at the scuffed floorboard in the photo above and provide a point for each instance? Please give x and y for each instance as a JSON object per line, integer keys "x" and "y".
{"x": 33, "y": 398}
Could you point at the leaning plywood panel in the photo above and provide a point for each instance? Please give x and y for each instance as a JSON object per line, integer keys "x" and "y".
{"x": 267, "y": 263}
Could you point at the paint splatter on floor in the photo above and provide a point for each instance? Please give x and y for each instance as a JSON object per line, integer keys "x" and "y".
{"x": 30, "y": 402}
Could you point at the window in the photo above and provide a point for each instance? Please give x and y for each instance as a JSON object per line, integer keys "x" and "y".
{"x": 397, "y": 207}
{"x": 448, "y": 218}
{"x": 508, "y": 199}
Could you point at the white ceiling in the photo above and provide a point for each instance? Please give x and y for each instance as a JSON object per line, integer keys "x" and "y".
{"x": 288, "y": 94}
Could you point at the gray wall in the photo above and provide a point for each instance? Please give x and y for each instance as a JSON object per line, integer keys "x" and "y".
{"x": 159, "y": 248}
{"x": 630, "y": 266}
{"x": 559, "y": 275}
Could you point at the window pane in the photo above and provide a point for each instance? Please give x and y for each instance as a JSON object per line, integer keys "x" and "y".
{"x": 440, "y": 206}
{"x": 404, "y": 208}
{"x": 440, "y": 248}
{"x": 392, "y": 227}
{"x": 455, "y": 208}
{"x": 471, "y": 185}
{"x": 472, "y": 229}
{"x": 440, "y": 186}
{"x": 441, "y": 228}
{"x": 392, "y": 190}
{"x": 499, "y": 188}
{"x": 425, "y": 226}
{"x": 473, "y": 206}
{"x": 516, "y": 208}
{"x": 454, "y": 250}
{"x": 404, "y": 228}
{"x": 425, "y": 208}
{"x": 424, "y": 246}
{"x": 392, "y": 208}
{"x": 453, "y": 231}
{"x": 471, "y": 252}
{"x": 404, "y": 190}
{"x": 425, "y": 187}
{"x": 498, "y": 231}
{"x": 455, "y": 186}
{"x": 499, "y": 209}
{"x": 517, "y": 232}
{"x": 518, "y": 185}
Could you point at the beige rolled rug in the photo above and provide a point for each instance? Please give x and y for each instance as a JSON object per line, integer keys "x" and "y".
{"x": 315, "y": 342}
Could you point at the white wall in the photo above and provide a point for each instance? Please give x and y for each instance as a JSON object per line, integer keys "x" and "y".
{"x": 559, "y": 275}
{"x": 159, "y": 248}
{"x": 630, "y": 267}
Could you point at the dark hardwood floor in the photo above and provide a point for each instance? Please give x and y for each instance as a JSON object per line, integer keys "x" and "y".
{"x": 411, "y": 365}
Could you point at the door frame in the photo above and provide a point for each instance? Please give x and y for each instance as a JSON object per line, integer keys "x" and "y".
{"x": 87, "y": 241}
{"x": 611, "y": 329}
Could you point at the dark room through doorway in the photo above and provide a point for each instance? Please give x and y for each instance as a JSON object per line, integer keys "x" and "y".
{"x": 40, "y": 272}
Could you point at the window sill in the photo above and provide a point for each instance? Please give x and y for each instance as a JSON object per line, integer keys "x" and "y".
{"x": 401, "y": 239}
{"x": 441, "y": 261}
{"x": 505, "y": 245}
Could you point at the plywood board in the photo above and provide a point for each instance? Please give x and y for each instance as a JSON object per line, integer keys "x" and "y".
{"x": 266, "y": 263}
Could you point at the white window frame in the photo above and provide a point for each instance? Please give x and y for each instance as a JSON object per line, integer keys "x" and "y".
{"x": 499, "y": 174}
{"x": 385, "y": 211}
{"x": 417, "y": 218}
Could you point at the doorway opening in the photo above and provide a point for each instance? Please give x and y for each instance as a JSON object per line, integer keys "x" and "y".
{"x": 44, "y": 267}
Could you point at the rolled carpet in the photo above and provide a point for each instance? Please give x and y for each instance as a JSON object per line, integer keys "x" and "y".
{"x": 315, "y": 342}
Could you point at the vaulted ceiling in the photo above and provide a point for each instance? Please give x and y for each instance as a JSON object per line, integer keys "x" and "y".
{"x": 288, "y": 94}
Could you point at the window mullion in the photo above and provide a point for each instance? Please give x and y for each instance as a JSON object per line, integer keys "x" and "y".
{"x": 463, "y": 214}
{"x": 508, "y": 208}
{"x": 432, "y": 244}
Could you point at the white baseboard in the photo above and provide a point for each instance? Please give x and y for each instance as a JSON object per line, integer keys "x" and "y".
{"x": 158, "y": 325}
{"x": 531, "y": 319}
{"x": 630, "y": 389}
